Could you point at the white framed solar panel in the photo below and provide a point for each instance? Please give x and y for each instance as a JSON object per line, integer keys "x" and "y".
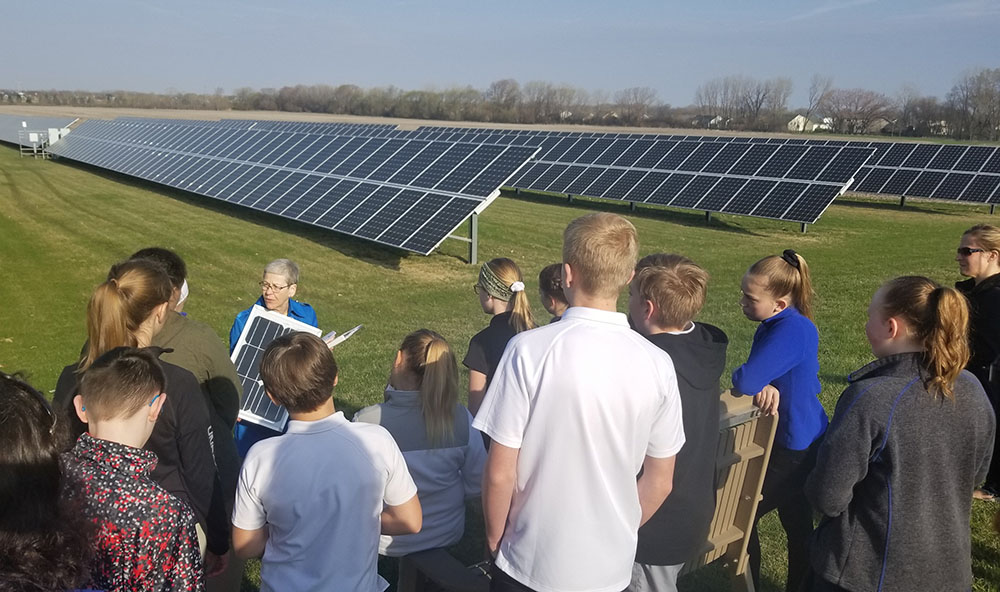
{"x": 262, "y": 327}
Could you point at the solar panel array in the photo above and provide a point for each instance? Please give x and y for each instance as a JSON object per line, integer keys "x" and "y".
{"x": 10, "y": 126}
{"x": 939, "y": 171}
{"x": 261, "y": 329}
{"x": 401, "y": 192}
{"x": 735, "y": 176}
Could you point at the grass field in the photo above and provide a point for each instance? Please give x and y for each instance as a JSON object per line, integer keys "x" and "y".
{"x": 61, "y": 226}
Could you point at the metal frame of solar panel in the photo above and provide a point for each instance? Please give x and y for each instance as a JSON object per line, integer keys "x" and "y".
{"x": 405, "y": 193}
{"x": 938, "y": 171}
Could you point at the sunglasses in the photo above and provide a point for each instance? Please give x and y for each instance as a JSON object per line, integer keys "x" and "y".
{"x": 967, "y": 251}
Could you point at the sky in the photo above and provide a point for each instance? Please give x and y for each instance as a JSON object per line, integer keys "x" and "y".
{"x": 673, "y": 47}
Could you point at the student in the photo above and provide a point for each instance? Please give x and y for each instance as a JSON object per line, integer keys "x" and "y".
{"x": 146, "y": 538}
{"x": 130, "y": 309}
{"x": 196, "y": 347}
{"x": 501, "y": 294}
{"x": 665, "y": 295}
{"x": 443, "y": 452}
{"x": 550, "y": 291}
{"x": 978, "y": 258}
{"x": 910, "y": 439}
{"x": 278, "y": 285}
{"x": 45, "y": 543}
{"x": 781, "y": 375}
{"x": 313, "y": 501}
{"x": 576, "y": 410}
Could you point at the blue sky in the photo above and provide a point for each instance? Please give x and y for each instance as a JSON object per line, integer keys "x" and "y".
{"x": 198, "y": 46}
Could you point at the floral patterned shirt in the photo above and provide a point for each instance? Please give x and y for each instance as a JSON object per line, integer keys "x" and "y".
{"x": 146, "y": 538}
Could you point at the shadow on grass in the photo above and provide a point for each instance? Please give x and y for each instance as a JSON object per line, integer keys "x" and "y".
{"x": 986, "y": 562}
{"x": 892, "y": 204}
{"x": 369, "y": 252}
{"x": 645, "y": 211}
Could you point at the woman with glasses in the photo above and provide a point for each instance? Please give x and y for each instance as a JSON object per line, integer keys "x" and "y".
{"x": 130, "y": 309}
{"x": 978, "y": 258}
{"x": 46, "y": 541}
{"x": 277, "y": 287}
{"x": 501, "y": 295}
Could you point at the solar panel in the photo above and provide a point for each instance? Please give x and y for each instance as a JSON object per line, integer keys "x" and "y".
{"x": 397, "y": 191}
{"x": 944, "y": 171}
{"x": 709, "y": 176}
{"x": 263, "y": 326}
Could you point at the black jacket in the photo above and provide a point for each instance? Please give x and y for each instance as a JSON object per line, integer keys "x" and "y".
{"x": 894, "y": 480}
{"x": 678, "y": 531}
{"x": 182, "y": 441}
{"x": 984, "y": 330}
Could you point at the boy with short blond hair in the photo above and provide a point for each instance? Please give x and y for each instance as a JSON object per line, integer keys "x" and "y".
{"x": 666, "y": 294}
{"x": 317, "y": 497}
{"x": 146, "y": 538}
{"x": 576, "y": 409}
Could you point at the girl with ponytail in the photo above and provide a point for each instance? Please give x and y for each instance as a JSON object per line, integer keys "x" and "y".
{"x": 129, "y": 309}
{"x": 444, "y": 453}
{"x": 910, "y": 439}
{"x": 781, "y": 375}
{"x": 501, "y": 294}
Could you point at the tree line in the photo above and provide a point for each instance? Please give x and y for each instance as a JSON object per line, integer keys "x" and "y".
{"x": 969, "y": 111}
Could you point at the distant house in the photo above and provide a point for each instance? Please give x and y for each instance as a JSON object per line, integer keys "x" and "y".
{"x": 710, "y": 122}
{"x": 801, "y": 123}
{"x": 939, "y": 128}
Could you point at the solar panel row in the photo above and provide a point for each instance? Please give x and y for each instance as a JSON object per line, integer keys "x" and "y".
{"x": 405, "y": 193}
{"x": 940, "y": 171}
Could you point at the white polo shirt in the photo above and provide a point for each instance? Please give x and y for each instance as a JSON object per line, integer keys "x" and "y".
{"x": 320, "y": 488}
{"x": 585, "y": 400}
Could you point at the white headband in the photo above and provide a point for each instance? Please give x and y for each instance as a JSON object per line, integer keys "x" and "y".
{"x": 184, "y": 292}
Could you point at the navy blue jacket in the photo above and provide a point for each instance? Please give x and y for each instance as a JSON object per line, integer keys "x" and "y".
{"x": 785, "y": 354}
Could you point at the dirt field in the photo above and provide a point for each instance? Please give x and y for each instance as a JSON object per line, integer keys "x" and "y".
{"x": 111, "y": 113}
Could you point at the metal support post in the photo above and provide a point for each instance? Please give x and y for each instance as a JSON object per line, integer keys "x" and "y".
{"x": 804, "y": 226}
{"x": 708, "y": 216}
{"x": 631, "y": 206}
{"x": 569, "y": 198}
{"x": 992, "y": 208}
{"x": 474, "y": 239}
{"x": 902, "y": 201}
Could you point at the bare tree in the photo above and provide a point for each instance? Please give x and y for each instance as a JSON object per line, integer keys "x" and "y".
{"x": 634, "y": 104}
{"x": 856, "y": 110}
{"x": 503, "y": 97}
{"x": 819, "y": 93}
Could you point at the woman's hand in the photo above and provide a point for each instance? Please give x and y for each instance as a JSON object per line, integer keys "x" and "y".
{"x": 767, "y": 400}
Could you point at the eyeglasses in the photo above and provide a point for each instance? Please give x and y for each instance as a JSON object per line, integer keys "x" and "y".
{"x": 266, "y": 287}
{"x": 24, "y": 386}
{"x": 967, "y": 251}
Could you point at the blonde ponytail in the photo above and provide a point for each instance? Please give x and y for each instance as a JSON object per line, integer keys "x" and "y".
{"x": 787, "y": 275}
{"x": 429, "y": 357}
{"x": 501, "y": 278}
{"x": 121, "y": 304}
{"x": 940, "y": 318}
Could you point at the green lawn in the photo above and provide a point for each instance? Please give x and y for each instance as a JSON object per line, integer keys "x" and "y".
{"x": 61, "y": 226}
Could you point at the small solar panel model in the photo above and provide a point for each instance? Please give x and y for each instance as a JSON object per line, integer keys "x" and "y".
{"x": 263, "y": 326}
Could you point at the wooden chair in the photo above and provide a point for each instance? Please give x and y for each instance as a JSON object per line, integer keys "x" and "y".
{"x": 745, "y": 439}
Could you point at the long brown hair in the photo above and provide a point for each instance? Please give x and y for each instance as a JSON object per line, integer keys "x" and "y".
{"x": 940, "y": 318}
{"x": 121, "y": 304}
{"x": 428, "y": 356}
{"x": 787, "y": 274}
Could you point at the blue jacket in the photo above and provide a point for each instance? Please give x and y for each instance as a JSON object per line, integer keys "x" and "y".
{"x": 299, "y": 311}
{"x": 785, "y": 354}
